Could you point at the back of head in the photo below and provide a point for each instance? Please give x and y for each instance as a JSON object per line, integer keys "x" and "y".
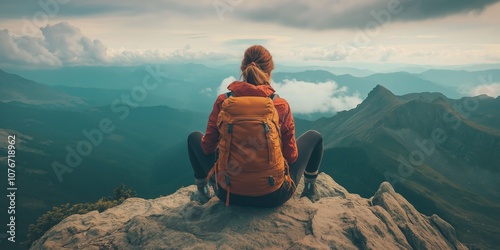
{"x": 257, "y": 65}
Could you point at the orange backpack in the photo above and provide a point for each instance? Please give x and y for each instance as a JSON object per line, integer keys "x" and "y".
{"x": 250, "y": 161}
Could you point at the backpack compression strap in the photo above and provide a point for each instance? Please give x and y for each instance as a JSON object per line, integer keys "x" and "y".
{"x": 231, "y": 93}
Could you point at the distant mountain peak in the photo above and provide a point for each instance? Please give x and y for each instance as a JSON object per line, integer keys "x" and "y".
{"x": 381, "y": 97}
{"x": 380, "y": 90}
{"x": 18, "y": 89}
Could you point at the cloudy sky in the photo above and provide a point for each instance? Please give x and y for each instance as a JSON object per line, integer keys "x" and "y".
{"x": 54, "y": 33}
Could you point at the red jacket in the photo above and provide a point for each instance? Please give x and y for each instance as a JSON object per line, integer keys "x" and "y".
{"x": 211, "y": 138}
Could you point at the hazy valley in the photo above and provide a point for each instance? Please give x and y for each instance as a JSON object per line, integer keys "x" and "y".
{"x": 416, "y": 130}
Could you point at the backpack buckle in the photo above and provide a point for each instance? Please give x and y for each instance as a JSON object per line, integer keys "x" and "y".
{"x": 266, "y": 127}
{"x": 271, "y": 180}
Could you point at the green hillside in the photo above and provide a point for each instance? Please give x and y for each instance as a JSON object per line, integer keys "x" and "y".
{"x": 437, "y": 157}
{"x": 124, "y": 156}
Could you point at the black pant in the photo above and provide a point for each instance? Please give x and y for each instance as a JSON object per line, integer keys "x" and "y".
{"x": 310, "y": 147}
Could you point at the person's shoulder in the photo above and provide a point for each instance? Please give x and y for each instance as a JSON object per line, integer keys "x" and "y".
{"x": 278, "y": 100}
{"x": 221, "y": 97}
{"x": 281, "y": 105}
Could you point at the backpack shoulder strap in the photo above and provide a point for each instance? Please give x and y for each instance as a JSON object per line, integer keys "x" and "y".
{"x": 231, "y": 93}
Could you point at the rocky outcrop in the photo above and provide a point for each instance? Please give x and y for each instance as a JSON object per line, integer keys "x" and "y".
{"x": 339, "y": 220}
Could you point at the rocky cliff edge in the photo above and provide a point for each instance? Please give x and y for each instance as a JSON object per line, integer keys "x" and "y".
{"x": 339, "y": 220}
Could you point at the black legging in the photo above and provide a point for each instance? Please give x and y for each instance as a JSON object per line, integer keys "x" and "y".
{"x": 200, "y": 162}
{"x": 309, "y": 144}
{"x": 310, "y": 147}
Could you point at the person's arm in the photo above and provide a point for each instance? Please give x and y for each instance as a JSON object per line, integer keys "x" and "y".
{"x": 290, "y": 151}
{"x": 211, "y": 138}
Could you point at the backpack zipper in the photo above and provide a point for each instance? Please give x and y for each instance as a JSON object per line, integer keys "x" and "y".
{"x": 266, "y": 132}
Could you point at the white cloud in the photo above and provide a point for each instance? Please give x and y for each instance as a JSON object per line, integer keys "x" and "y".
{"x": 330, "y": 52}
{"x": 25, "y": 50}
{"x": 206, "y": 91}
{"x": 308, "y": 97}
{"x": 60, "y": 44}
{"x": 188, "y": 54}
{"x": 65, "y": 45}
{"x": 223, "y": 85}
{"x": 68, "y": 44}
{"x": 410, "y": 53}
{"x": 492, "y": 90}
{"x": 155, "y": 56}
{"x": 348, "y": 52}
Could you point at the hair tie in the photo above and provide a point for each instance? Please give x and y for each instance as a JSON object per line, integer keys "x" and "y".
{"x": 253, "y": 63}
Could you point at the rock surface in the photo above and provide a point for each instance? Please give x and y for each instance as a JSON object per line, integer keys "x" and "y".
{"x": 339, "y": 220}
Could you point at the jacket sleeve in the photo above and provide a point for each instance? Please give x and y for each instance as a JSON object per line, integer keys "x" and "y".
{"x": 290, "y": 151}
{"x": 211, "y": 138}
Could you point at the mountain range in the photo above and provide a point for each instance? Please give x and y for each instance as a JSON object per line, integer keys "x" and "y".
{"x": 195, "y": 86}
{"x": 18, "y": 89}
{"x": 440, "y": 151}
{"x": 441, "y": 154}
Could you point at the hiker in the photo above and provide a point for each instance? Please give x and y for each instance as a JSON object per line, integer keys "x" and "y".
{"x": 250, "y": 137}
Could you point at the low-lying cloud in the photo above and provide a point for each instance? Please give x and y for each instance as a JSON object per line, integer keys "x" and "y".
{"x": 308, "y": 97}
{"x": 492, "y": 90}
{"x": 223, "y": 85}
{"x": 324, "y": 97}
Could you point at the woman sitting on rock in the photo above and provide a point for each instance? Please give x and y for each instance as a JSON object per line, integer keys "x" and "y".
{"x": 250, "y": 137}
